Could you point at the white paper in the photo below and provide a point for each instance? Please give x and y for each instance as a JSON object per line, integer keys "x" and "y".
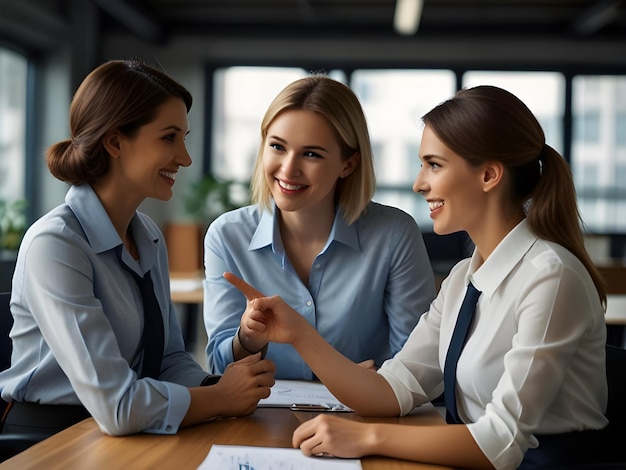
{"x": 285, "y": 393}
{"x": 271, "y": 458}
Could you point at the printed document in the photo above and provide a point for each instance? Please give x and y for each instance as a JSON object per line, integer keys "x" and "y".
{"x": 271, "y": 458}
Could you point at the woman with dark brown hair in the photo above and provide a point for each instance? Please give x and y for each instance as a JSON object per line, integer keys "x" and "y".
{"x": 522, "y": 366}
{"x": 95, "y": 331}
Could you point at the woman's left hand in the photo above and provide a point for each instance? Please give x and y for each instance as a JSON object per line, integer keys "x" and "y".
{"x": 327, "y": 435}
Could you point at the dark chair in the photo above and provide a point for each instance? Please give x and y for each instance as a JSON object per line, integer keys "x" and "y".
{"x": 10, "y": 444}
{"x": 616, "y": 378}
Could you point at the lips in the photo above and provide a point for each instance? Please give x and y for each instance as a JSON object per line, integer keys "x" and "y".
{"x": 290, "y": 188}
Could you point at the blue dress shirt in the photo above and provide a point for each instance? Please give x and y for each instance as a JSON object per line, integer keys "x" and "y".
{"x": 79, "y": 320}
{"x": 367, "y": 287}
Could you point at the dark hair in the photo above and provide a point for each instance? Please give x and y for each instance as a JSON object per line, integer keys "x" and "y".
{"x": 486, "y": 123}
{"x": 118, "y": 95}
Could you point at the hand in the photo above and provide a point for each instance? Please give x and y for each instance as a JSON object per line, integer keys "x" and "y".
{"x": 268, "y": 318}
{"x": 244, "y": 383}
{"x": 332, "y": 436}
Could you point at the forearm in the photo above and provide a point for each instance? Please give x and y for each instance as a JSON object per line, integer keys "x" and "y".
{"x": 362, "y": 389}
{"x": 204, "y": 406}
{"x": 429, "y": 444}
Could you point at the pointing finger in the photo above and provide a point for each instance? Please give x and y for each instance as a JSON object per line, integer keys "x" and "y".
{"x": 250, "y": 292}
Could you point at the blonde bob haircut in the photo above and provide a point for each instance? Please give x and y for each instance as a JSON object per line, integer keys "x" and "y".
{"x": 338, "y": 104}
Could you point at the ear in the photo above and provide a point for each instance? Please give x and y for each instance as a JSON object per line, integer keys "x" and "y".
{"x": 350, "y": 164}
{"x": 111, "y": 143}
{"x": 493, "y": 173}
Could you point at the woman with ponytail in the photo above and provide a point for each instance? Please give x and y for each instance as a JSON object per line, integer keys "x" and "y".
{"x": 525, "y": 383}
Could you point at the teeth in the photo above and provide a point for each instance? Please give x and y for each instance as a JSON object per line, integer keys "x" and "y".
{"x": 290, "y": 187}
{"x": 168, "y": 174}
{"x": 432, "y": 205}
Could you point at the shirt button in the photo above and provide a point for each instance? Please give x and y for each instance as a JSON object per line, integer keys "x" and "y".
{"x": 309, "y": 303}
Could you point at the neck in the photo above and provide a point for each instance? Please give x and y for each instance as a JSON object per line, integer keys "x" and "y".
{"x": 492, "y": 231}
{"x": 119, "y": 208}
{"x": 305, "y": 226}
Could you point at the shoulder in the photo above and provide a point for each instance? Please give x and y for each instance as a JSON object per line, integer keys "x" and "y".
{"x": 236, "y": 226}
{"x": 546, "y": 255}
{"x": 59, "y": 222}
{"x": 550, "y": 271}
{"x": 247, "y": 216}
{"x": 380, "y": 214}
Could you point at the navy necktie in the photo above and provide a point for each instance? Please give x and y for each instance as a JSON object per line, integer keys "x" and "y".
{"x": 153, "y": 331}
{"x": 459, "y": 336}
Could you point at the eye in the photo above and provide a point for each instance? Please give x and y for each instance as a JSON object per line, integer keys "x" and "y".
{"x": 276, "y": 146}
{"x": 170, "y": 137}
{"x": 434, "y": 165}
{"x": 312, "y": 154}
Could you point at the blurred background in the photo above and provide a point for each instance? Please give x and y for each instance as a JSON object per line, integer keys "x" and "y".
{"x": 565, "y": 59}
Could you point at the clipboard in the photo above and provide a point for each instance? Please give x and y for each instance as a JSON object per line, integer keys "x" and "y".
{"x": 302, "y": 395}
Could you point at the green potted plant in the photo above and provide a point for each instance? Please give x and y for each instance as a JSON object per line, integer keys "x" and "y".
{"x": 204, "y": 201}
{"x": 12, "y": 224}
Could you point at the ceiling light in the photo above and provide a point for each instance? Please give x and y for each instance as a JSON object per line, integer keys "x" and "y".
{"x": 406, "y": 18}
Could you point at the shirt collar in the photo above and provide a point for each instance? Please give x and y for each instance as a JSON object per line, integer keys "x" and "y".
{"x": 99, "y": 230}
{"x": 268, "y": 233}
{"x": 509, "y": 252}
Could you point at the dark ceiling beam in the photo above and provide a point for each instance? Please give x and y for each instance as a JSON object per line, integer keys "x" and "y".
{"x": 30, "y": 26}
{"x": 138, "y": 22}
{"x": 596, "y": 17}
{"x": 307, "y": 12}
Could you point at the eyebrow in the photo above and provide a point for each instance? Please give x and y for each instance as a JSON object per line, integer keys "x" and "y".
{"x": 307, "y": 147}
{"x": 174, "y": 128}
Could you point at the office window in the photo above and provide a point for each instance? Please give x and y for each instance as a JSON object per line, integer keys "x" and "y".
{"x": 587, "y": 127}
{"x": 620, "y": 129}
{"x": 602, "y": 199}
{"x": 394, "y": 102}
{"x": 542, "y": 92}
{"x": 13, "y": 69}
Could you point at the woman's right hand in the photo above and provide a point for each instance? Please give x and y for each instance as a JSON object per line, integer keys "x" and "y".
{"x": 268, "y": 318}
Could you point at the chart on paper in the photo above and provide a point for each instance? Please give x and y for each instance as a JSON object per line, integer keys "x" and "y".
{"x": 271, "y": 458}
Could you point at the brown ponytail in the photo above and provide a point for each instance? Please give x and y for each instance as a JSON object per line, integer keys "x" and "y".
{"x": 553, "y": 212}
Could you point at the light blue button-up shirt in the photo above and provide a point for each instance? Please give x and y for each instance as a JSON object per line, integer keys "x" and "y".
{"x": 79, "y": 321}
{"x": 367, "y": 287}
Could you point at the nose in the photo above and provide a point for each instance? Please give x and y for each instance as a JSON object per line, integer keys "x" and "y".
{"x": 420, "y": 185}
{"x": 182, "y": 157}
{"x": 290, "y": 165}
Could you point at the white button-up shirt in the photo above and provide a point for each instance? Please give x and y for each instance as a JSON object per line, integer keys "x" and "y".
{"x": 534, "y": 362}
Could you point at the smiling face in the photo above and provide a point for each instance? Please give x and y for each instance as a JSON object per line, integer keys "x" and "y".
{"x": 302, "y": 162}
{"x": 148, "y": 161}
{"x": 452, "y": 187}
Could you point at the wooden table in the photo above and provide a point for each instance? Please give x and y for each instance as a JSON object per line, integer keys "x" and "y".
{"x": 84, "y": 446}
